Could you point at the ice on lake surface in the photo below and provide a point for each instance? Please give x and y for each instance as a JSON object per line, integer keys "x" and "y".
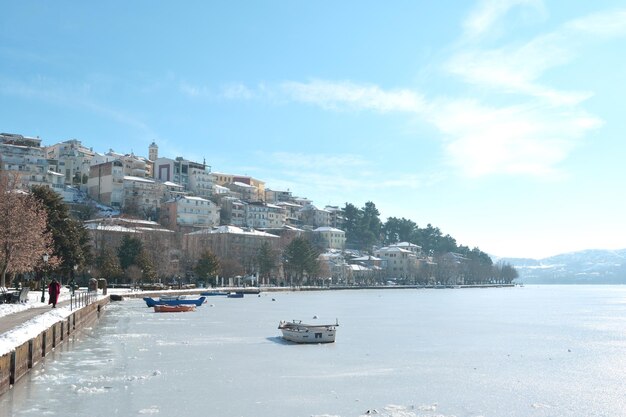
{"x": 531, "y": 351}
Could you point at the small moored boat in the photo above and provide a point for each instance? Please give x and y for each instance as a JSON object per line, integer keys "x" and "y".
{"x": 151, "y": 302}
{"x": 298, "y": 332}
{"x": 235, "y": 295}
{"x": 164, "y": 308}
{"x": 213, "y": 293}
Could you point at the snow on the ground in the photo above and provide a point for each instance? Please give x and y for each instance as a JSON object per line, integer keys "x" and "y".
{"x": 34, "y": 300}
{"x": 26, "y": 331}
{"x": 21, "y": 334}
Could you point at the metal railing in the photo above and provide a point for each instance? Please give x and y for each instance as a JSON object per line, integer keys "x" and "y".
{"x": 83, "y": 298}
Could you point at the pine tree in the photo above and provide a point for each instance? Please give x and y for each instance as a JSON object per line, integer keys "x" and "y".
{"x": 207, "y": 266}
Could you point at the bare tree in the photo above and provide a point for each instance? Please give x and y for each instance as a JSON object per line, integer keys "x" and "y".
{"x": 23, "y": 236}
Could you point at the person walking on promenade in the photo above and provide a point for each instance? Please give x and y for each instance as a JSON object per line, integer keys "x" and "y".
{"x": 54, "y": 289}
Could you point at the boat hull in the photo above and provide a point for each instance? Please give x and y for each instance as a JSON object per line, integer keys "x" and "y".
{"x": 151, "y": 302}
{"x": 163, "y": 308}
{"x": 235, "y": 295}
{"x": 308, "y": 333}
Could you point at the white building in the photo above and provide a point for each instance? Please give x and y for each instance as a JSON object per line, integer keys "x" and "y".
{"x": 74, "y": 161}
{"x": 193, "y": 176}
{"x": 401, "y": 261}
{"x": 264, "y": 216}
{"x": 313, "y": 216}
{"x": 141, "y": 196}
{"x": 334, "y": 238}
{"x": 190, "y": 212}
{"x": 292, "y": 212}
{"x": 25, "y": 157}
{"x": 132, "y": 165}
{"x": 106, "y": 183}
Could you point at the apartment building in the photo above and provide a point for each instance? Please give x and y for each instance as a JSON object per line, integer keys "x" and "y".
{"x": 74, "y": 161}
{"x": 231, "y": 244}
{"x": 224, "y": 180}
{"x": 335, "y": 216}
{"x": 402, "y": 260}
{"x": 292, "y": 212}
{"x": 195, "y": 177}
{"x": 264, "y": 216}
{"x": 132, "y": 165}
{"x": 243, "y": 191}
{"x": 233, "y": 211}
{"x": 186, "y": 213}
{"x": 141, "y": 196}
{"x": 312, "y": 216}
{"x": 106, "y": 183}
{"x": 333, "y": 238}
{"x": 25, "y": 157}
{"x": 275, "y": 196}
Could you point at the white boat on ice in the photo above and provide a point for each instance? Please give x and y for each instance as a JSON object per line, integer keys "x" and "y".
{"x": 298, "y": 332}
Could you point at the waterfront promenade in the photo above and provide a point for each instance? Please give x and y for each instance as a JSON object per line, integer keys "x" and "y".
{"x": 18, "y": 319}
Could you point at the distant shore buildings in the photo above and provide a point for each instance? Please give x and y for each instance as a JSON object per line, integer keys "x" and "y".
{"x": 193, "y": 208}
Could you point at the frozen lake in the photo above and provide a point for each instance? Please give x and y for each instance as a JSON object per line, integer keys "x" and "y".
{"x": 532, "y": 351}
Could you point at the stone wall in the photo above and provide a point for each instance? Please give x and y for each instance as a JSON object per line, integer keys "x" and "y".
{"x": 17, "y": 363}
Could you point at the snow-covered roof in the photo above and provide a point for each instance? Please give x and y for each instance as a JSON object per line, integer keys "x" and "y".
{"x": 137, "y": 221}
{"x": 286, "y": 203}
{"x": 366, "y": 258}
{"x": 290, "y": 227}
{"x": 406, "y": 245}
{"x": 110, "y": 228}
{"x": 172, "y": 184}
{"x": 243, "y": 184}
{"x": 193, "y": 198}
{"x": 137, "y": 179}
{"x": 328, "y": 229}
{"x": 355, "y": 267}
{"x": 232, "y": 230}
{"x": 388, "y": 249}
{"x": 152, "y": 229}
{"x": 114, "y": 220}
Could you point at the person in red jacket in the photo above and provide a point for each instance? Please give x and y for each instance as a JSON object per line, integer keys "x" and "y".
{"x": 53, "y": 290}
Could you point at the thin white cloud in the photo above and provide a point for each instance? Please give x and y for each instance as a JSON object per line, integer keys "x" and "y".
{"x": 609, "y": 23}
{"x": 529, "y": 140}
{"x": 322, "y": 162}
{"x": 489, "y": 13}
{"x": 76, "y": 96}
{"x": 330, "y": 175}
{"x": 516, "y": 71}
{"x": 237, "y": 91}
{"x": 194, "y": 91}
{"x": 340, "y": 95}
{"x": 517, "y": 68}
{"x": 531, "y": 137}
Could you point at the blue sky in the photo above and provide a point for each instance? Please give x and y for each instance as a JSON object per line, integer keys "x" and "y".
{"x": 500, "y": 122}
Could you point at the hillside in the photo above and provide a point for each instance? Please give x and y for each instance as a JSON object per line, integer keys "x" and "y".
{"x": 585, "y": 267}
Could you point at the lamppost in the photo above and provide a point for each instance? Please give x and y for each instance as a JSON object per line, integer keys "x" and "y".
{"x": 43, "y": 282}
{"x": 73, "y": 281}
{"x": 72, "y": 286}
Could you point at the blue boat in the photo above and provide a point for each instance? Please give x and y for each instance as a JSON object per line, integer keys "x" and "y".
{"x": 213, "y": 293}
{"x": 235, "y": 295}
{"x": 151, "y": 302}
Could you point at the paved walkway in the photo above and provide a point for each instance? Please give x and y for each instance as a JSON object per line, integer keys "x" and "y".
{"x": 11, "y": 321}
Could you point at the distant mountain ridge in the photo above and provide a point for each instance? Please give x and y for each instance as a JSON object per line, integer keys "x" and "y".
{"x": 593, "y": 266}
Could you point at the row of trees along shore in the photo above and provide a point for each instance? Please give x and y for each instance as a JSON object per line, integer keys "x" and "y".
{"x": 36, "y": 223}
